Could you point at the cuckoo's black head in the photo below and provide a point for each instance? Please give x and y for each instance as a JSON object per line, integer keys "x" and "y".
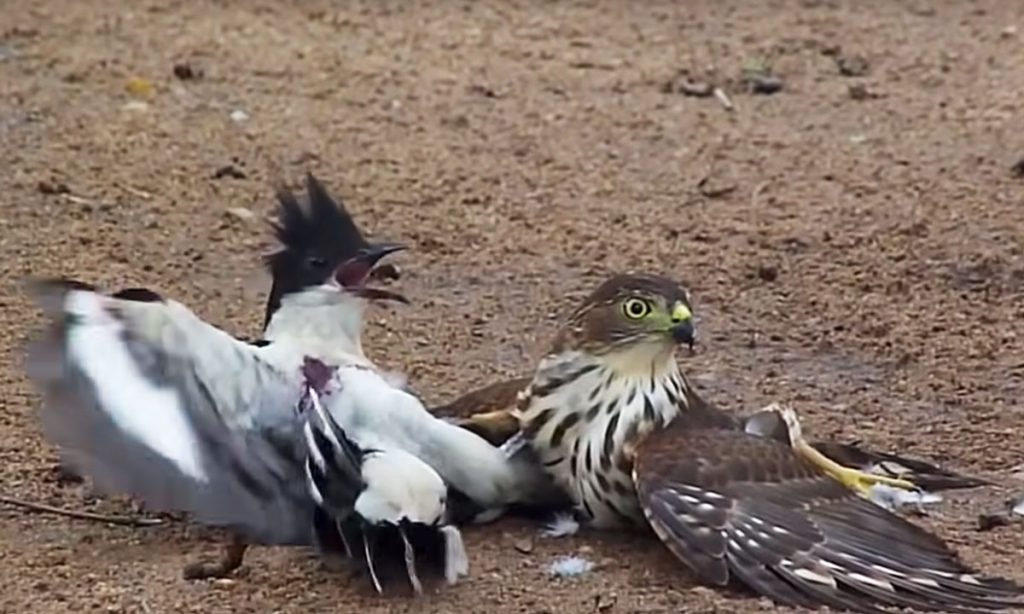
{"x": 321, "y": 247}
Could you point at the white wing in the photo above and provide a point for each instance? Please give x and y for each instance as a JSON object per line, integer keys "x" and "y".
{"x": 148, "y": 400}
{"x": 377, "y": 415}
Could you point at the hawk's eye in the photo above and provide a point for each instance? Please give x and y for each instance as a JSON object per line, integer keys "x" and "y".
{"x": 636, "y": 308}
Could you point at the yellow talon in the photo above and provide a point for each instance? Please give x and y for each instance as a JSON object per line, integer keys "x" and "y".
{"x": 854, "y": 479}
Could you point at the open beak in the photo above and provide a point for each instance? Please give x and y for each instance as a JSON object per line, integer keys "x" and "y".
{"x": 352, "y": 275}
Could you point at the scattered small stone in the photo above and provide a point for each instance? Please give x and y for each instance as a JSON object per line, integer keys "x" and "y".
{"x": 1018, "y": 169}
{"x": 230, "y": 171}
{"x": 524, "y": 545}
{"x": 238, "y": 116}
{"x": 52, "y": 187}
{"x": 689, "y": 87}
{"x": 759, "y": 79}
{"x": 136, "y": 106}
{"x": 1012, "y": 513}
{"x": 484, "y": 90}
{"x": 305, "y": 157}
{"x": 604, "y": 603}
{"x": 241, "y": 213}
{"x": 831, "y": 51}
{"x": 764, "y": 84}
{"x": 860, "y": 91}
{"x": 1009, "y": 32}
{"x": 711, "y": 186}
{"x": 186, "y": 72}
{"x": 987, "y": 522}
{"x": 852, "y": 65}
{"x": 767, "y": 272}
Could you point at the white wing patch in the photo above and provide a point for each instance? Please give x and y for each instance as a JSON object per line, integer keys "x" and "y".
{"x": 146, "y": 412}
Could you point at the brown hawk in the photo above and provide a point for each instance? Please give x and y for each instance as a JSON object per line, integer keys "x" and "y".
{"x": 614, "y": 422}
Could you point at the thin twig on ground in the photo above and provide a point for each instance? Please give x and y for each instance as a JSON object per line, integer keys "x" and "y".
{"x": 49, "y": 509}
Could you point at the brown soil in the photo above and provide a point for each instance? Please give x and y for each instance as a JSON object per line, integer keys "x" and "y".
{"x": 855, "y": 241}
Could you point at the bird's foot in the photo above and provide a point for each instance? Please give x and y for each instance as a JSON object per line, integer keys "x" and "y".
{"x": 494, "y": 426}
{"x": 230, "y": 560}
{"x": 856, "y": 480}
{"x": 865, "y": 483}
{"x": 861, "y": 482}
{"x": 564, "y": 524}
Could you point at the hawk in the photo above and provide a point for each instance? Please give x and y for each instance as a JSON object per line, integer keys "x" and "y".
{"x": 614, "y": 422}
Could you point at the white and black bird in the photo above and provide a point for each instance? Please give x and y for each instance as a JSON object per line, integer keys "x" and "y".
{"x": 372, "y": 495}
{"x": 147, "y": 399}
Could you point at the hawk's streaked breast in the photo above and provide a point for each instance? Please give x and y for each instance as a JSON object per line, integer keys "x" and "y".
{"x": 584, "y": 418}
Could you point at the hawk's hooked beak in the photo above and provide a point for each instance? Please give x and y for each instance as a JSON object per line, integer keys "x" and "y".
{"x": 353, "y": 273}
{"x": 683, "y": 330}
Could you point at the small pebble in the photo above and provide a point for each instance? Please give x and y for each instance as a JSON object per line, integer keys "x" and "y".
{"x": 524, "y": 545}
{"x": 136, "y": 106}
{"x": 764, "y": 84}
{"x": 230, "y": 171}
{"x": 241, "y": 213}
{"x": 187, "y": 72}
{"x": 52, "y": 187}
{"x": 853, "y": 65}
{"x": 859, "y": 91}
{"x": 238, "y": 116}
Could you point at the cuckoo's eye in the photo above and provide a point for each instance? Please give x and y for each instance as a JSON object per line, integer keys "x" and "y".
{"x": 636, "y": 308}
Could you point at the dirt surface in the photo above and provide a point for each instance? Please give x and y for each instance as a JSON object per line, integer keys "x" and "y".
{"x": 854, "y": 241}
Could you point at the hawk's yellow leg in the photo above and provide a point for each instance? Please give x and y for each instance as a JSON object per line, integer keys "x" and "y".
{"x": 854, "y": 479}
{"x": 494, "y": 426}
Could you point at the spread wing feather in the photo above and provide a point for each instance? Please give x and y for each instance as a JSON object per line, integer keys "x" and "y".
{"x": 734, "y": 506}
{"x": 148, "y": 400}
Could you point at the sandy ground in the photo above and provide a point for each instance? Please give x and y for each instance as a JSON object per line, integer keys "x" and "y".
{"x": 854, "y": 242}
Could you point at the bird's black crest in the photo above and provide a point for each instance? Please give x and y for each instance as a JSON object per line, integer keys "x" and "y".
{"x": 315, "y": 237}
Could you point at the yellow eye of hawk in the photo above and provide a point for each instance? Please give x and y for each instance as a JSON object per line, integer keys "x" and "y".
{"x": 636, "y": 308}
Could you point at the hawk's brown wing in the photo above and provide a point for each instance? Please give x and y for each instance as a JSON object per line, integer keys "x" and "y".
{"x": 487, "y": 411}
{"x": 734, "y": 506}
